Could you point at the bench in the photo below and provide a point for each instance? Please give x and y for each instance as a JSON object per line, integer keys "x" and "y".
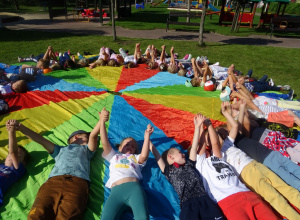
{"x": 183, "y": 14}
{"x": 284, "y": 23}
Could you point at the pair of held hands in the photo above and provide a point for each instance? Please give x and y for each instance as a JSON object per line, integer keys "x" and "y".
{"x": 226, "y": 106}
{"x": 104, "y": 117}
{"x": 12, "y": 124}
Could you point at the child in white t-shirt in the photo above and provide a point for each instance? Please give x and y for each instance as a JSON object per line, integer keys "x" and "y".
{"x": 125, "y": 174}
{"x": 222, "y": 182}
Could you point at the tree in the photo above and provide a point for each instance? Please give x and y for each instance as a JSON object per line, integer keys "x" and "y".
{"x": 112, "y": 15}
{"x": 235, "y": 21}
{"x": 201, "y": 29}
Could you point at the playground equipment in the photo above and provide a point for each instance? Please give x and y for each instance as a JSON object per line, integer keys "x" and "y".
{"x": 91, "y": 13}
{"x": 140, "y": 6}
{"x": 245, "y": 18}
{"x": 265, "y": 17}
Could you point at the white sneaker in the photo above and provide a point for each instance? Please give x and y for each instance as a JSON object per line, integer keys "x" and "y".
{"x": 198, "y": 59}
{"x": 189, "y": 58}
{"x": 216, "y": 64}
{"x": 271, "y": 82}
{"x": 286, "y": 87}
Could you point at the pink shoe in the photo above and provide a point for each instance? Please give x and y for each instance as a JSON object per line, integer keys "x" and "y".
{"x": 69, "y": 52}
{"x": 107, "y": 50}
{"x": 56, "y": 53}
{"x": 186, "y": 57}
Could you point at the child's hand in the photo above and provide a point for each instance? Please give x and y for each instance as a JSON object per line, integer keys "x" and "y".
{"x": 199, "y": 119}
{"x": 242, "y": 103}
{"x": 12, "y": 124}
{"x": 226, "y": 108}
{"x": 149, "y": 130}
{"x": 234, "y": 94}
{"x": 104, "y": 115}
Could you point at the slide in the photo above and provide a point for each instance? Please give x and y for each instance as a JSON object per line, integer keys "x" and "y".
{"x": 213, "y": 8}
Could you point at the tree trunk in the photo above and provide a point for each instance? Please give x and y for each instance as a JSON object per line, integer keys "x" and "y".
{"x": 189, "y": 9}
{"x": 201, "y": 29}
{"x": 16, "y": 4}
{"x": 113, "y": 19}
{"x": 236, "y": 17}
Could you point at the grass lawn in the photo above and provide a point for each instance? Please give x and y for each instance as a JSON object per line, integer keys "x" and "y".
{"x": 281, "y": 64}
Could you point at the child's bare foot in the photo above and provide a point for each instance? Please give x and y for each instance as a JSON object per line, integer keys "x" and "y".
{"x": 205, "y": 65}
{"x": 172, "y": 49}
{"x": 163, "y": 47}
{"x": 193, "y": 60}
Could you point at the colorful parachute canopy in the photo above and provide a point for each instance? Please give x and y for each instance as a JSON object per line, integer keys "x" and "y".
{"x": 61, "y": 102}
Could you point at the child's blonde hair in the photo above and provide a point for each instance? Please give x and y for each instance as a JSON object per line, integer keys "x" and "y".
{"x": 112, "y": 63}
{"x": 101, "y": 62}
{"x": 172, "y": 68}
{"x": 182, "y": 72}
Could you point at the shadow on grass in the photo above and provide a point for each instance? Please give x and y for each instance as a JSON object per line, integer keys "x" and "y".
{"x": 250, "y": 41}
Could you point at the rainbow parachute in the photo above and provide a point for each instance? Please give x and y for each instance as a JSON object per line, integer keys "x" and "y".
{"x": 61, "y": 102}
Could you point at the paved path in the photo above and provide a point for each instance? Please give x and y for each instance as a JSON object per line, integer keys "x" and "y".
{"x": 41, "y": 22}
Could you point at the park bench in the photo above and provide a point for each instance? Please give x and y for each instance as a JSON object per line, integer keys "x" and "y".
{"x": 183, "y": 14}
{"x": 285, "y": 24}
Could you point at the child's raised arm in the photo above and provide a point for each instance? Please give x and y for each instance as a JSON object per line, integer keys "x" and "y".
{"x": 146, "y": 146}
{"x": 104, "y": 116}
{"x": 230, "y": 121}
{"x": 158, "y": 157}
{"x": 12, "y": 142}
{"x": 198, "y": 120}
{"x": 214, "y": 139}
{"x": 243, "y": 122}
{"x": 48, "y": 145}
{"x": 93, "y": 139}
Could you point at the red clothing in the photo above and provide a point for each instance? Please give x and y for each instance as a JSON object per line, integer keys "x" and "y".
{"x": 246, "y": 205}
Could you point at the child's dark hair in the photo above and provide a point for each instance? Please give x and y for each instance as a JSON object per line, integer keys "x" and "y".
{"x": 129, "y": 65}
{"x": 141, "y": 60}
{"x": 22, "y": 87}
{"x": 45, "y": 63}
{"x": 195, "y": 82}
{"x": 163, "y": 67}
{"x": 136, "y": 144}
{"x": 152, "y": 65}
{"x": 70, "y": 64}
{"x": 164, "y": 156}
{"x": 26, "y": 155}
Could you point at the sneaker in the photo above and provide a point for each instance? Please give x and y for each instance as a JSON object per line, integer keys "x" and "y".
{"x": 291, "y": 94}
{"x": 122, "y": 52}
{"x": 31, "y": 56}
{"x": 249, "y": 73}
{"x": 20, "y": 59}
{"x": 59, "y": 54}
{"x": 216, "y": 64}
{"x": 271, "y": 82}
{"x": 198, "y": 59}
{"x": 78, "y": 54}
{"x": 186, "y": 57}
{"x": 286, "y": 87}
{"x": 189, "y": 57}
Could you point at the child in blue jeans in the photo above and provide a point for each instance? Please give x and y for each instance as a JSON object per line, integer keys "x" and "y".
{"x": 186, "y": 180}
{"x": 125, "y": 173}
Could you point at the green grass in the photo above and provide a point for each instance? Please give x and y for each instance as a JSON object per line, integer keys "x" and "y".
{"x": 278, "y": 63}
{"x": 155, "y": 18}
